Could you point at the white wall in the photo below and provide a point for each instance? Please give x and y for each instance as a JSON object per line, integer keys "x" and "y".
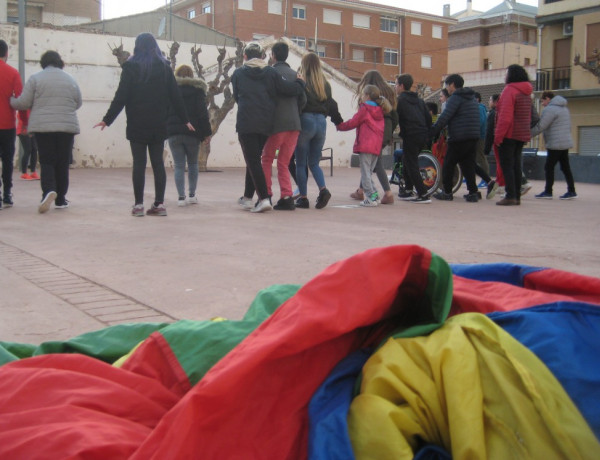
{"x": 89, "y": 60}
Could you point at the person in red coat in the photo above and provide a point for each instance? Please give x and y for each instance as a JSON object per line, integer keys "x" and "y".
{"x": 369, "y": 125}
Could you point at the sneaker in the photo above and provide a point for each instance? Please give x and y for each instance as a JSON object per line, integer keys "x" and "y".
{"x": 482, "y": 184}
{"x": 544, "y": 196}
{"x": 159, "y": 210}
{"x": 568, "y": 196}
{"x": 323, "y": 198}
{"x": 358, "y": 195}
{"x": 406, "y": 196}
{"x": 473, "y": 197}
{"x": 525, "y": 188}
{"x": 375, "y": 197}
{"x": 262, "y": 206}
{"x": 192, "y": 199}
{"x": 26, "y": 176}
{"x": 285, "y": 204}
{"x": 388, "y": 198}
{"x": 7, "y": 202}
{"x": 296, "y": 194}
{"x": 34, "y": 176}
{"x": 492, "y": 188}
{"x": 245, "y": 203}
{"x": 367, "y": 203}
{"x": 302, "y": 203}
{"x": 46, "y": 202}
{"x": 443, "y": 196}
{"x": 508, "y": 202}
{"x": 63, "y": 205}
{"x": 421, "y": 200}
{"x": 181, "y": 201}
{"x": 137, "y": 210}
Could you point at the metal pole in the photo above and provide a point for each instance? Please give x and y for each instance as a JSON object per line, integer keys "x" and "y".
{"x": 22, "y": 38}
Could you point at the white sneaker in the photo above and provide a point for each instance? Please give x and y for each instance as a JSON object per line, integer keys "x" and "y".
{"x": 192, "y": 200}
{"x": 368, "y": 203}
{"x": 245, "y": 203}
{"x": 46, "y": 202}
{"x": 262, "y": 206}
{"x": 525, "y": 188}
{"x": 181, "y": 201}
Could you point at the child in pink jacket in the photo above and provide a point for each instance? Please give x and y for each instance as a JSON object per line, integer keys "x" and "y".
{"x": 369, "y": 125}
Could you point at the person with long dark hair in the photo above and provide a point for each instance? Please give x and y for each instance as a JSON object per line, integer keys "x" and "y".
{"x": 53, "y": 97}
{"x": 146, "y": 90}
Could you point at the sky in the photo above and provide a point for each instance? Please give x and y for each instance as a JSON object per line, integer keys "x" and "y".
{"x": 116, "y": 8}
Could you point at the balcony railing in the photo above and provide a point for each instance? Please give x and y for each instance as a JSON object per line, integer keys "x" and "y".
{"x": 553, "y": 78}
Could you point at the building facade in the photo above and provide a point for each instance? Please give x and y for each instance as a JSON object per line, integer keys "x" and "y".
{"x": 350, "y": 35}
{"x": 56, "y": 12}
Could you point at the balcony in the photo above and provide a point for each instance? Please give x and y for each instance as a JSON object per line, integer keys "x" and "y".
{"x": 553, "y": 78}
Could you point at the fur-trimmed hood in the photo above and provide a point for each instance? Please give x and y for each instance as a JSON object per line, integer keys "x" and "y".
{"x": 196, "y": 82}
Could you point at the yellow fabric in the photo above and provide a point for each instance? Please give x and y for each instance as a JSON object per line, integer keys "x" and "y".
{"x": 471, "y": 388}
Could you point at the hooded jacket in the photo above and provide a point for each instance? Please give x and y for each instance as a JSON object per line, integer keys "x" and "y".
{"x": 513, "y": 113}
{"x": 413, "y": 117}
{"x": 288, "y": 109}
{"x": 461, "y": 115}
{"x": 193, "y": 92}
{"x": 555, "y": 123}
{"x": 256, "y": 87}
{"x": 369, "y": 125}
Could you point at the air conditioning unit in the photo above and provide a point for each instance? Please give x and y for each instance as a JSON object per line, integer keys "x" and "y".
{"x": 568, "y": 28}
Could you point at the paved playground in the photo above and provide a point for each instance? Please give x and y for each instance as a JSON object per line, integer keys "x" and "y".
{"x": 71, "y": 271}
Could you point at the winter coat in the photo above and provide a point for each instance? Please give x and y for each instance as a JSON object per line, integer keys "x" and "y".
{"x": 288, "y": 109}
{"x": 53, "y": 97}
{"x": 482, "y": 120}
{"x": 146, "y": 102}
{"x": 513, "y": 113}
{"x": 555, "y": 123}
{"x": 193, "y": 92}
{"x": 369, "y": 125}
{"x": 413, "y": 117}
{"x": 461, "y": 115}
{"x": 10, "y": 85}
{"x": 256, "y": 87}
{"x": 314, "y": 104}
{"x": 490, "y": 130}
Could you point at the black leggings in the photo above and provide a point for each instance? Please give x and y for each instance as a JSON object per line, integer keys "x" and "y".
{"x": 138, "y": 151}
{"x": 54, "y": 150}
{"x": 30, "y": 152}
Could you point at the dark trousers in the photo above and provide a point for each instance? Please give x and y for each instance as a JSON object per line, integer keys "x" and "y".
{"x": 510, "y": 153}
{"x": 411, "y": 147}
{"x": 462, "y": 153}
{"x": 7, "y": 155}
{"x": 30, "y": 153}
{"x": 55, "y": 149}
{"x": 562, "y": 158}
{"x": 138, "y": 175}
{"x": 252, "y": 147}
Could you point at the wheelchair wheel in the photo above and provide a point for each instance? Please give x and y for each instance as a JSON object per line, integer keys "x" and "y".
{"x": 457, "y": 179}
{"x": 430, "y": 171}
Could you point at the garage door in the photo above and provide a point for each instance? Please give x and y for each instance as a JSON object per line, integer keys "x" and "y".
{"x": 589, "y": 140}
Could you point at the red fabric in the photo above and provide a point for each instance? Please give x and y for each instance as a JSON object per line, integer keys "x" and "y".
{"x": 369, "y": 125}
{"x": 10, "y": 85}
{"x": 513, "y": 113}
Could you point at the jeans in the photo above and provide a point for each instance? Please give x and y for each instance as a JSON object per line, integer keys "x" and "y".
{"x": 308, "y": 150}
{"x": 252, "y": 147}
{"x": 30, "y": 153}
{"x": 561, "y": 157}
{"x": 463, "y": 153}
{"x": 185, "y": 148}
{"x": 7, "y": 155}
{"x": 138, "y": 175}
{"x": 54, "y": 150}
{"x": 285, "y": 143}
{"x": 510, "y": 152}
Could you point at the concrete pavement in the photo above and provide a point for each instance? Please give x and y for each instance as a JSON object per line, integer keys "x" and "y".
{"x": 71, "y": 271}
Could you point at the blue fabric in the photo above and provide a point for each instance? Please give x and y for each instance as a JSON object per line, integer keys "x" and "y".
{"x": 501, "y": 272}
{"x": 566, "y": 337}
{"x": 328, "y": 437}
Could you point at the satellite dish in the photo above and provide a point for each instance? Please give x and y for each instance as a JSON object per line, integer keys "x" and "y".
{"x": 161, "y": 27}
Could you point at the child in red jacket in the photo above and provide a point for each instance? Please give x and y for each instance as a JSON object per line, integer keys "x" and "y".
{"x": 369, "y": 125}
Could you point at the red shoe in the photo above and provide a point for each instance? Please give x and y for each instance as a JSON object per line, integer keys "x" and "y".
{"x": 26, "y": 176}
{"x": 34, "y": 176}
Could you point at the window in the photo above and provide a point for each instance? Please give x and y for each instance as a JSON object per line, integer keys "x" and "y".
{"x": 390, "y": 56}
{"x": 191, "y": 14}
{"x": 320, "y": 51}
{"x": 300, "y": 41}
{"x": 332, "y": 17}
{"x": 206, "y": 8}
{"x": 415, "y": 28}
{"x": 487, "y": 65}
{"x": 388, "y": 25}
{"x": 299, "y": 12}
{"x": 436, "y": 31}
{"x": 274, "y": 7}
{"x": 358, "y": 55}
{"x": 485, "y": 37}
{"x": 245, "y": 5}
{"x": 426, "y": 62}
{"x": 592, "y": 40}
{"x": 527, "y": 61}
{"x": 361, "y": 20}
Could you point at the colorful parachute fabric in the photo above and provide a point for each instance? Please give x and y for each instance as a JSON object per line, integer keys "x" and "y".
{"x": 388, "y": 354}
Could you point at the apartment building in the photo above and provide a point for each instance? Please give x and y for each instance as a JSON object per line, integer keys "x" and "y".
{"x": 350, "y": 35}
{"x": 56, "y": 12}
{"x": 570, "y": 65}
